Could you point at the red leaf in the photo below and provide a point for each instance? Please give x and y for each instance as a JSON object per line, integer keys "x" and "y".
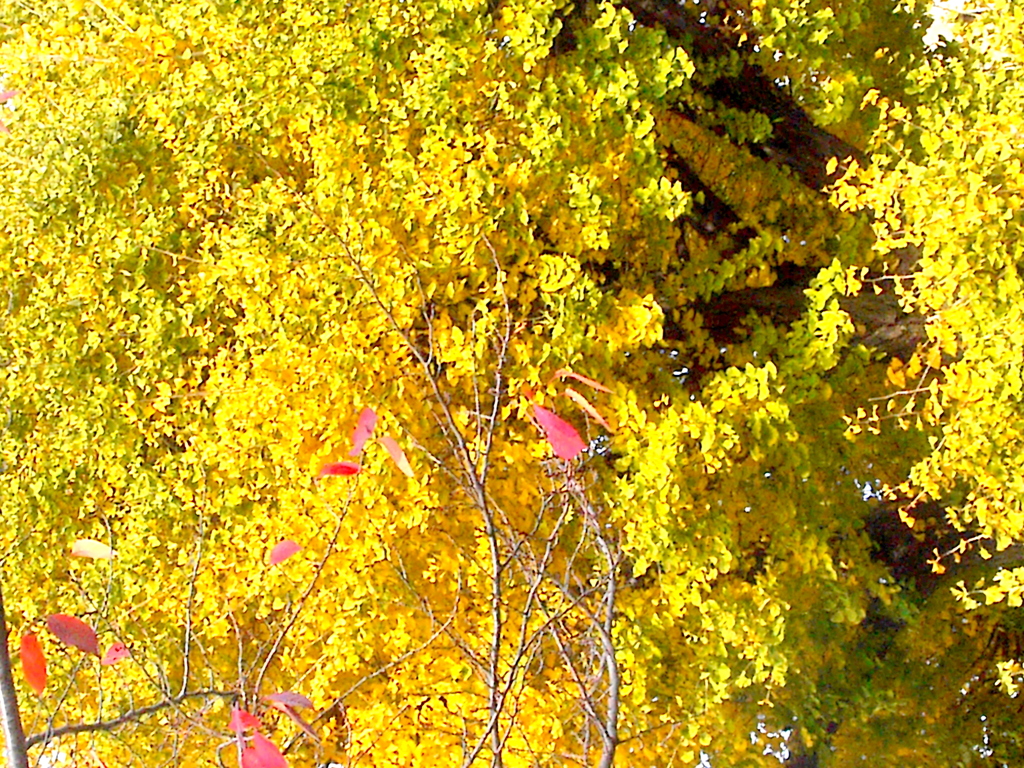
{"x": 263, "y": 754}
{"x": 583, "y": 403}
{"x": 397, "y": 455}
{"x": 283, "y": 550}
{"x": 563, "y": 373}
{"x": 115, "y": 653}
{"x": 297, "y": 719}
{"x": 91, "y": 548}
{"x": 240, "y": 720}
{"x": 74, "y": 632}
{"x": 33, "y": 663}
{"x": 339, "y": 468}
{"x": 289, "y": 699}
{"x": 565, "y": 440}
{"x": 363, "y": 430}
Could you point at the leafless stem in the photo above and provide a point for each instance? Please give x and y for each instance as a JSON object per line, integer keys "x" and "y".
{"x": 131, "y": 716}
{"x": 298, "y": 607}
{"x": 186, "y": 650}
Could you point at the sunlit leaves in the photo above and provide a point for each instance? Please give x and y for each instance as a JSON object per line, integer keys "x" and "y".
{"x": 230, "y": 230}
{"x": 6, "y": 96}
{"x": 33, "y": 663}
{"x": 74, "y": 632}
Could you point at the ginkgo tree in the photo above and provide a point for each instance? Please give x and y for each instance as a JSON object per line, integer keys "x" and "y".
{"x": 510, "y": 383}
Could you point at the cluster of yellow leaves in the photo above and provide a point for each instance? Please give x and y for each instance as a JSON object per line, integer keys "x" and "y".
{"x": 946, "y": 182}
{"x": 227, "y": 229}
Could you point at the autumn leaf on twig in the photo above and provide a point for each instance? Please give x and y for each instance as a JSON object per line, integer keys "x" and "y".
{"x": 115, "y": 653}
{"x": 563, "y": 437}
{"x": 397, "y": 455}
{"x": 283, "y": 550}
{"x": 96, "y": 550}
{"x": 583, "y": 403}
{"x": 74, "y": 632}
{"x": 563, "y": 373}
{"x": 363, "y": 430}
{"x": 262, "y": 754}
{"x": 288, "y": 702}
{"x": 33, "y": 663}
{"x": 336, "y": 468}
{"x": 240, "y": 720}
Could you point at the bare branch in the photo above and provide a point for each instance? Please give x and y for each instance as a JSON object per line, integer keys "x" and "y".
{"x": 131, "y": 716}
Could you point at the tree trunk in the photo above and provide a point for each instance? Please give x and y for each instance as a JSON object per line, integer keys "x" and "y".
{"x": 14, "y": 736}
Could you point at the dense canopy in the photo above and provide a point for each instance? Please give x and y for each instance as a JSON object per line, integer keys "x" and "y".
{"x": 512, "y": 383}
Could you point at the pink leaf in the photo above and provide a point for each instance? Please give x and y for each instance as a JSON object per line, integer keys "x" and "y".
{"x": 74, "y": 632}
{"x": 289, "y": 699}
{"x": 339, "y": 468}
{"x": 297, "y": 719}
{"x": 287, "y": 702}
{"x": 583, "y": 403}
{"x": 397, "y": 455}
{"x": 240, "y": 720}
{"x": 283, "y": 550}
{"x": 115, "y": 653}
{"x": 91, "y": 548}
{"x": 263, "y": 754}
{"x": 563, "y": 373}
{"x": 363, "y": 430}
{"x": 7, "y": 95}
{"x": 33, "y": 663}
{"x": 564, "y": 439}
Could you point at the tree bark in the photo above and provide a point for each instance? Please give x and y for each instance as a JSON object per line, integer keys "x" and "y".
{"x": 14, "y": 734}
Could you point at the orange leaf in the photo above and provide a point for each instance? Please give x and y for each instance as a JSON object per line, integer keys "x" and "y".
{"x": 563, "y": 373}
{"x": 363, "y": 430}
{"x": 339, "y": 468}
{"x": 564, "y": 439}
{"x": 33, "y": 663}
{"x": 283, "y": 550}
{"x": 74, "y": 632}
{"x": 583, "y": 403}
{"x": 397, "y": 455}
{"x": 115, "y": 653}
{"x": 91, "y": 548}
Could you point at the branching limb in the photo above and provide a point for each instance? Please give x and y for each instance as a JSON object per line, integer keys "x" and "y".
{"x": 131, "y": 716}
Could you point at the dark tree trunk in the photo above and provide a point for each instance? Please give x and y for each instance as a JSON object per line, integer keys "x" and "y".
{"x": 10, "y": 714}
